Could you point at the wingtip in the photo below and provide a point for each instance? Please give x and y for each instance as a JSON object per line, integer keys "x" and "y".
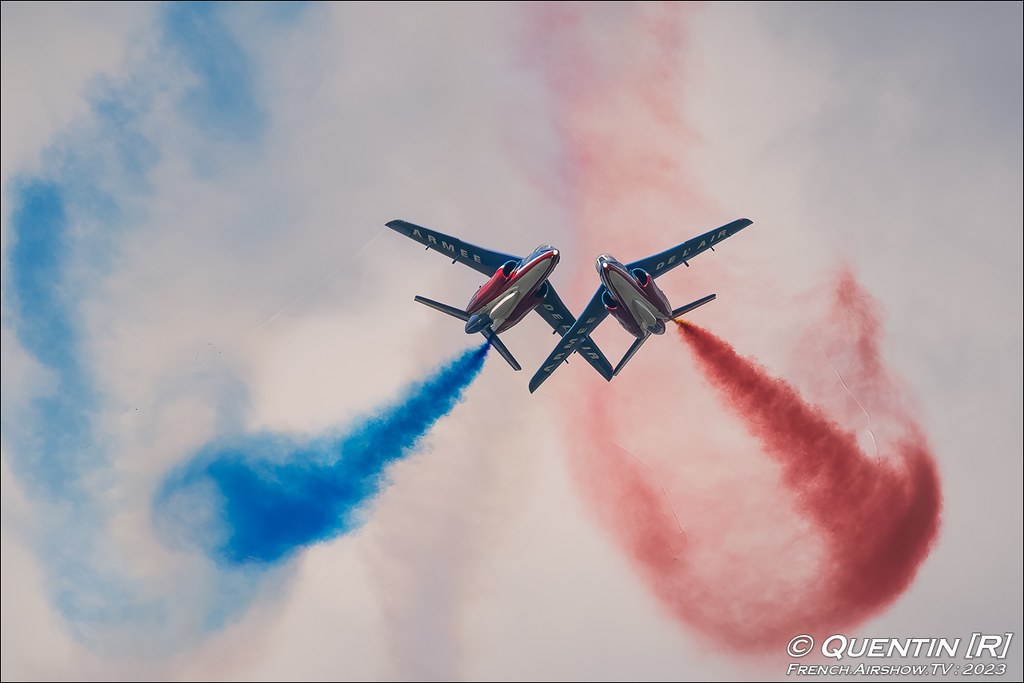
{"x": 394, "y": 223}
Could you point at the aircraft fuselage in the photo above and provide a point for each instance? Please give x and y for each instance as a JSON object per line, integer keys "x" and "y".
{"x": 514, "y": 290}
{"x": 632, "y": 298}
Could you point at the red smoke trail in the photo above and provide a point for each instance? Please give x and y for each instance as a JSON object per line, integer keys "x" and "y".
{"x": 879, "y": 519}
{"x": 615, "y": 108}
{"x": 744, "y": 574}
{"x": 817, "y": 535}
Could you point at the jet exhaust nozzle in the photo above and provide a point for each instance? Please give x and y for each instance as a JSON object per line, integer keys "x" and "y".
{"x": 477, "y": 322}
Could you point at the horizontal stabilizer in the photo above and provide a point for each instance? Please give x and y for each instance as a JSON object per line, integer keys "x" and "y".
{"x": 462, "y": 315}
{"x": 629, "y": 354}
{"x": 690, "y": 306}
{"x": 500, "y": 347}
{"x": 444, "y": 308}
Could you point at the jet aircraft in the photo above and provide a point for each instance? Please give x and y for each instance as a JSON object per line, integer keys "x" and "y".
{"x": 629, "y": 294}
{"x": 517, "y": 285}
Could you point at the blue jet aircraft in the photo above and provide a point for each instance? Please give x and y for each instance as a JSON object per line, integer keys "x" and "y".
{"x": 628, "y": 292}
{"x": 517, "y": 285}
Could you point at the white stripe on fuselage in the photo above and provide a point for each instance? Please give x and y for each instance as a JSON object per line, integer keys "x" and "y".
{"x": 626, "y": 293}
{"x": 501, "y": 307}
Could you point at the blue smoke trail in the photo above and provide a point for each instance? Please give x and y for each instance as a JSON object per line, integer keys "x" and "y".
{"x": 258, "y": 499}
{"x": 224, "y": 99}
{"x": 94, "y": 187}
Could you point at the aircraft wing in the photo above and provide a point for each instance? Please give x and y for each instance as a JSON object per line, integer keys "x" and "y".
{"x": 659, "y": 264}
{"x": 554, "y": 312}
{"x": 561, "y": 320}
{"x": 577, "y": 338}
{"x": 482, "y": 260}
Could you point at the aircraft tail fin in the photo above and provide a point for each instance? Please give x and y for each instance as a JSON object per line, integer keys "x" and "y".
{"x": 690, "y": 306}
{"x": 500, "y": 347}
{"x": 629, "y": 354}
{"x": 444, "y": 308}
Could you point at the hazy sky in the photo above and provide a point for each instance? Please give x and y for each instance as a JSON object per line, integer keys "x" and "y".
{"x": 193, "y": 250}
